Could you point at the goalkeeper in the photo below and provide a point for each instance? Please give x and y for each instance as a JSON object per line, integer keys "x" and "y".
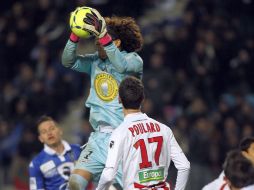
{"x": 117, "y": 40}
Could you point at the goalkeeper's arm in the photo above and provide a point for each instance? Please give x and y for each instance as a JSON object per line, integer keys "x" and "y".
{"x": 76, "y": 62}
{"x": 69, "y": 53}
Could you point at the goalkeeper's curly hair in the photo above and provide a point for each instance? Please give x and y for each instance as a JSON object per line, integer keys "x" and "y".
{"x": 127, "y": 30}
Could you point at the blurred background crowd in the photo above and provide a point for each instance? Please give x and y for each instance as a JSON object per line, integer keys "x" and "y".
{"x": 198, "y": 64}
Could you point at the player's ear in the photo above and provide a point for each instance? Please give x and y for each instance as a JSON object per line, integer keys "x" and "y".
{"x": 246, "y": 155}
{"x": 226, "y": 180}
{"x": 117, "y": 42}
{"x": 61, "y": 131}
{"x": 40, "y": 139}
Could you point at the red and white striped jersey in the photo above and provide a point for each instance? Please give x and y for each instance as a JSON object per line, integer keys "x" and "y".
{"x": 145, "y": 147}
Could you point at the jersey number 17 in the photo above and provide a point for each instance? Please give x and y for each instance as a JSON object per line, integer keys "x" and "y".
{"x": 141, "y": 143}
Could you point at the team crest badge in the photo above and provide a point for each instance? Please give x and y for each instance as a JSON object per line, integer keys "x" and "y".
{"x": 106, "y": 87}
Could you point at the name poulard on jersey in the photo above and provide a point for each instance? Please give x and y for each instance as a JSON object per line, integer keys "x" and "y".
{"x": 140, "y": 128}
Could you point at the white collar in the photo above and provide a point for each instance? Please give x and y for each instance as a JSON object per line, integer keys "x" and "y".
{"x": 51, "y": 151}
{"x": 134, "y": 116}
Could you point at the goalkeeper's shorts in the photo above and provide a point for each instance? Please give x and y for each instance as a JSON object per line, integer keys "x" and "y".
{"x": 94, "y": 155}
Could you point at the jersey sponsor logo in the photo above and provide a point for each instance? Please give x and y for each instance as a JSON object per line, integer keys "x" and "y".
{"x": 106, "y": 87}
{"x": 65, "y": 170}
{"x": 51, "y": 173}
{"x": 49, "y": 169}
{"x": 47, "y": 166}
{"x": 151, "y": 175}
{"x": 32, "y": 183}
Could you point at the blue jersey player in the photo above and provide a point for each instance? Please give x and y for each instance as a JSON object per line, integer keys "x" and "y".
{"x": 52, "y": 167}
{"x": 117, "y": 39}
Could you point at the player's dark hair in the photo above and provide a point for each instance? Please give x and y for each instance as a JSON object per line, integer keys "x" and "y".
{"x": 245, "y": 143}
{"x": 131, "y": 92}
{"x": 238, "y": 169}
{"x": 127, "y": 30}
{"x": 42, "y": 119}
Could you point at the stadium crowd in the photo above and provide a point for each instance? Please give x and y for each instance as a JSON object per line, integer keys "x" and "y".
{"x": 197, "y": 73}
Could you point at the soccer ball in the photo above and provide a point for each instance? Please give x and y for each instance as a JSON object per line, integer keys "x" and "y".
{"x": 77, "y": 22}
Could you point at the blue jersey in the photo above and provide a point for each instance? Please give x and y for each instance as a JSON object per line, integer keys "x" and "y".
{"x": 51, "y": 171}
{"x": 106, "y": 76}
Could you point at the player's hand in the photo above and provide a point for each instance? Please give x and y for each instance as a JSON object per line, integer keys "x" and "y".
{"x": 95, "y": 24}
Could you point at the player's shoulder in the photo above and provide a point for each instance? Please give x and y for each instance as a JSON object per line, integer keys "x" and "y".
{"x": 134, "y": 55}
{"x": 162, "y": 125}
{"x": 122, "y": 128}
{"x": 39, "y": 158}
{"x": 75, "y": 147}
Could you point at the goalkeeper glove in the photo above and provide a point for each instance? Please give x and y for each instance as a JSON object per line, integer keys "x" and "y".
{"x": 95, "y": 24}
